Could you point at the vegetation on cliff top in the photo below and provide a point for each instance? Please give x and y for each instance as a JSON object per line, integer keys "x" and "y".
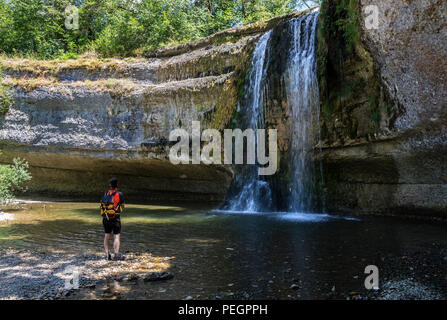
{"x": 37, "y": 28}
{"x": 89, "y": 61}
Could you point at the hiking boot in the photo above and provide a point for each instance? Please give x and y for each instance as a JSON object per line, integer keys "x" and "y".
{"x": 108, "y": 256}
{"x": 118, "y": 257}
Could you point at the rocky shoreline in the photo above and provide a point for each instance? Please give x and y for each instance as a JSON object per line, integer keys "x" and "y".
{"x": 419, "y": 275}
{"x": 41, "y": 275}
{"x": 33, "y": 274}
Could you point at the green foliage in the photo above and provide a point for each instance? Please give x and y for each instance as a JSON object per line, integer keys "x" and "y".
{"x": 344, "y": 74}
{"x": 5, "y": 96}
{"x": 149, "y": 25}
{"x": 348, "y": 23}
{"x": 34, "y": 27}
{"x": 123, "y": 28}
{"x": 5, "y": 101}
{"x": 12, "y": 179}
{"x": 338, "y": 32}
{"x": 263, "y": 10}
{"x": 339, "y": 21}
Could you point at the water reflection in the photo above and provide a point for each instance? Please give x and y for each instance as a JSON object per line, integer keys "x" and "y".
{"x": 230, "y": 255}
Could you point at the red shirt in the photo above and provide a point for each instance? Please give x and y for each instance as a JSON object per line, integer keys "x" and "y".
{"x": 118, "y": 198}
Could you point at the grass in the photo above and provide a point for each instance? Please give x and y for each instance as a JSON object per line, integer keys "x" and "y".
{"x": 40, "y": 73}
{"x": 113, "y": 86}
{"x": 30, "y": 84}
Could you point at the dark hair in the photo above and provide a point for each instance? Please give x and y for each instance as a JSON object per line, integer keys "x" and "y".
{"x": 113, "y": 182}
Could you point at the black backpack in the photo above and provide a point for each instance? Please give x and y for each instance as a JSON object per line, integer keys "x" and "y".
{"x": 108, "y": 208}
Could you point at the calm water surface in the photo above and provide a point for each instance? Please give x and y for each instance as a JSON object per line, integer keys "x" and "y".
{"x": 225, "y": 254}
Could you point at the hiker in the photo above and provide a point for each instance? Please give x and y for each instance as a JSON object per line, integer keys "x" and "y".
{"x": 112, "y": 204}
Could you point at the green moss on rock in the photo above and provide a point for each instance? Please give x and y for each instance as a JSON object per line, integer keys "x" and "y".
{"x": 354, "y": 105}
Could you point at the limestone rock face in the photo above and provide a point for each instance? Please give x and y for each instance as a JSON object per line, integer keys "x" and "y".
{"x": 410, "y": 49}
{"x": 383, "y": 117}
{"x": 80, "y": 122}
{"x": 384, "y": 112}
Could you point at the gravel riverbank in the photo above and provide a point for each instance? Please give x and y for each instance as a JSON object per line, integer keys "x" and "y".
{"x": 27, "y": 274}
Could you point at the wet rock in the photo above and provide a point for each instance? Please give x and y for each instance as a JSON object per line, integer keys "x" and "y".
{"x": 90, "y": 285}
{"x": 130, "y": 277}
{"x": 294, "y": 286}
{"x": 407, "y": 290}
{"x": 158, "y": 276}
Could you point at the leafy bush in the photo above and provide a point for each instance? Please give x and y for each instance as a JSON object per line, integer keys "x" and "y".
{"x": 5, "y": 96}
{"x": 12, "y": 179}
{"x": 34, "y": 27}
{"x": 5, "y": 101}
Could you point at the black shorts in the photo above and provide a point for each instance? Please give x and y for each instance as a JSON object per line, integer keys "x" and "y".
{"x": 112, "y": 225}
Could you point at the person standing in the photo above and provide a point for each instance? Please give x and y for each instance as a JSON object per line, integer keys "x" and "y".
{"x": 112, "y": 204}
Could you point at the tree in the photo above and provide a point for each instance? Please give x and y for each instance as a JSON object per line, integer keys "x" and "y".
{"x": 124, "y": 27}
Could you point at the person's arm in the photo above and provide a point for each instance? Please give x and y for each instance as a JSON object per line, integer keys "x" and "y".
{"x": 122, "y": 204}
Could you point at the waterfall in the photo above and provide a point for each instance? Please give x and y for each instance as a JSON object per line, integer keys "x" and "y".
{"x": 248, "y": 192}
{"x": 303, "y": 98}
{"x": 299, "y": 89}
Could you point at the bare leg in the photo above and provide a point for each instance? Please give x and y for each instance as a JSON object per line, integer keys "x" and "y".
{"x": 106, "y": 241}
{"x": 116, "y": 243}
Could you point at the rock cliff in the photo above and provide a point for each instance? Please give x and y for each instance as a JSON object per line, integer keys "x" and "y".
{"x": 78, "y": 122}
{"x": 383, "y": 100}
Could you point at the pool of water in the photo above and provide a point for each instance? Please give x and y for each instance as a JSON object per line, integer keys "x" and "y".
{"x": 239, "y": 254}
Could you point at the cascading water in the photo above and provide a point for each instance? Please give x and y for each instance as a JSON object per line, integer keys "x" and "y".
{"x": 249, "y": 192}
{"x": 303, "y": 99}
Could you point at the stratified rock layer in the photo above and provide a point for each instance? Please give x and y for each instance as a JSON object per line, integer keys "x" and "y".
{"x": 79, "y": 122}
{"x": 384, "y": 116}
{"x": 76, "y": 132}
{"x": 383, "y": 112}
